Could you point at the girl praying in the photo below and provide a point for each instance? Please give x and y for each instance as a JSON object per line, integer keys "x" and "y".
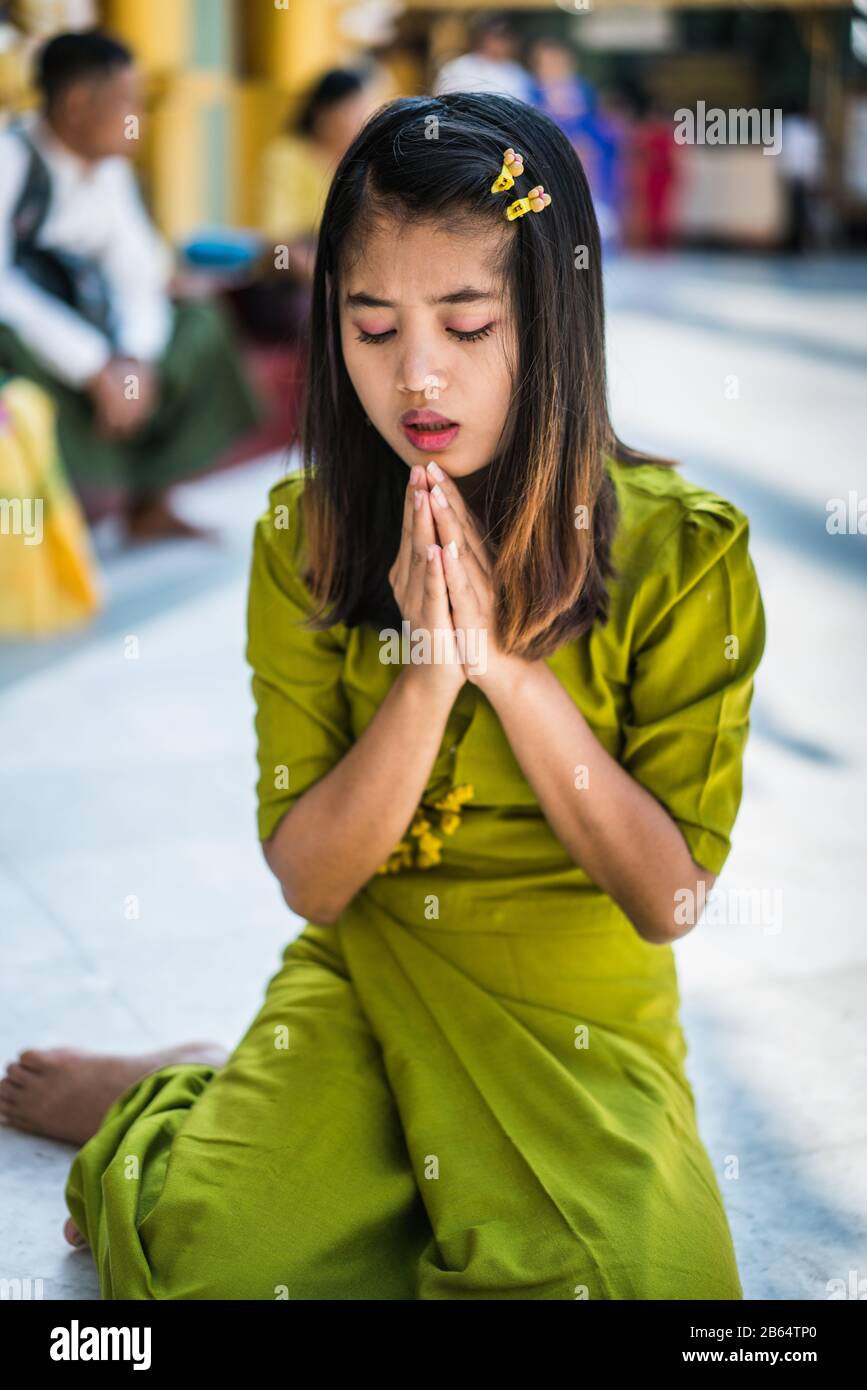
{"x": 467, "y": 1078}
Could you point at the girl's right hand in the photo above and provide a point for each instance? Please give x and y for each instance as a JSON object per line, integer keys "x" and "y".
{"x": 419, "y": 585}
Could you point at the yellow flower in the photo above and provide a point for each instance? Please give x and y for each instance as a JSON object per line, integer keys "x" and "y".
{"x": 400, "y": 858}
{"x": 450, "y": 805}
{"x": 428, "y": 848}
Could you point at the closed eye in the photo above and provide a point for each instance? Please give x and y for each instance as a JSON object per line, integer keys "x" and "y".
{"x": 364, "y": 337}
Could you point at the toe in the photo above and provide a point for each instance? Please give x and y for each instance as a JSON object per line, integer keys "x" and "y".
{"x": 72, "y": 1233}
{"x": 20, "y": 1075}
{"x": 15, "y": 1119}
{"x": 32, "y": 1059}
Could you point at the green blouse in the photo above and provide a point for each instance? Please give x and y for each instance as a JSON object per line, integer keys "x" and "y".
{"x": 665, "y": 685}
{"x": 485, "y": 1095}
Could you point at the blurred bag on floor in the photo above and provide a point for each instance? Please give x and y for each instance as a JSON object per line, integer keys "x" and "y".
{"x": 49, "y": 578}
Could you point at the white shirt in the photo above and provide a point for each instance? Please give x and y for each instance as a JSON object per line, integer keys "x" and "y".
{"x": 473, "y": 72}
{"x": 801, "y": 151}
{"x": 96, "y": 210}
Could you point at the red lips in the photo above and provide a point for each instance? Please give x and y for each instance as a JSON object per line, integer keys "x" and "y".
{"x": 424, "y": 417}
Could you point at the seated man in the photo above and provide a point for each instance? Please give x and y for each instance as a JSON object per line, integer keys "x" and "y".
{"x": 147, "y": 391}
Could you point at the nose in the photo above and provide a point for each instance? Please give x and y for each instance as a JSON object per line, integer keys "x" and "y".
{"x": 419, "y": 370}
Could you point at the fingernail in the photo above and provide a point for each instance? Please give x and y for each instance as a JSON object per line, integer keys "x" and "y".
{"x": 440, "y": 496}
{"x": 435, "y": 471}
{"x": 430, "y": 551}
{"x": 416, "y": 499}
{"x": 416, "y": 473}
{"x": 452, "y": 549}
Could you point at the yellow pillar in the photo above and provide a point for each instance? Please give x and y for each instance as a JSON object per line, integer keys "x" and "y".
{"x": 176, "y": 155}
{"x": 292, "y": 41}
{"x": 159, "y": 31}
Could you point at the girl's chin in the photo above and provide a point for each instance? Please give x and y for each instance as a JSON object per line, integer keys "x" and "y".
{"x": 453, "y": 461}
{"x": 446, "y": 458}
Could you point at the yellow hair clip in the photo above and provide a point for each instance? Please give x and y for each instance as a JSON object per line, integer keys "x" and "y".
{"x": 536, "y": 200}
{"x": 513, "y": 167}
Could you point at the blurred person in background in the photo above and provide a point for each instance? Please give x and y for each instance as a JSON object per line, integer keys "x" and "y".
{"x": 651, "y": 174}
{"x": 557, "y": 87}
{"x": 297, "y": 168}
{"x": 491, "y": 66}
{"x": 148, "y": 392}
{"x": 611, "y": 133}
{"x": 570, "y": 101}
{"x": 801, "y": 162}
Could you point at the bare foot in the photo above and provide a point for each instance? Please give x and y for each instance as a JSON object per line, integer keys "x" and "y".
{"x": 63, "y": 1093}
{"x": 149, "y": 519}
{"x": 72, "y": 1233}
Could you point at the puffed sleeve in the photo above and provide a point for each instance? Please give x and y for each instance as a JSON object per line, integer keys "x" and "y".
{"x": 698, "y": 638}
{"x": 302, "y": 714}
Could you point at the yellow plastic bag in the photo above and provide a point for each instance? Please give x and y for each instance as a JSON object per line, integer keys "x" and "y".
{"x": 49, "y": 578}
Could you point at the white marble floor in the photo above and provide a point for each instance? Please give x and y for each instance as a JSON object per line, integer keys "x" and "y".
{"x": 134, "y": 779}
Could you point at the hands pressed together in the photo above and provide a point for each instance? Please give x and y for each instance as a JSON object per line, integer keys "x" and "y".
{"x": 441, "y": 577}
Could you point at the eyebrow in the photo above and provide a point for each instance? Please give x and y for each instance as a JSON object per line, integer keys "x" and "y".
{"x": 466, "y": 295}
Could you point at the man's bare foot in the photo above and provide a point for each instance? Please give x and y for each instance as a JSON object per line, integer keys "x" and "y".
{"x": 63, "y": 1093}
{"x": 150, "y": 519}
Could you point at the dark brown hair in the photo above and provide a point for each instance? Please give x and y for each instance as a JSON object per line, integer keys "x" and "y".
{"x": 423, "y": 157}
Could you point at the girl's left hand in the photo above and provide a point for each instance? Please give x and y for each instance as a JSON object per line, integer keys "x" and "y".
{"x": 468, "y": 576}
